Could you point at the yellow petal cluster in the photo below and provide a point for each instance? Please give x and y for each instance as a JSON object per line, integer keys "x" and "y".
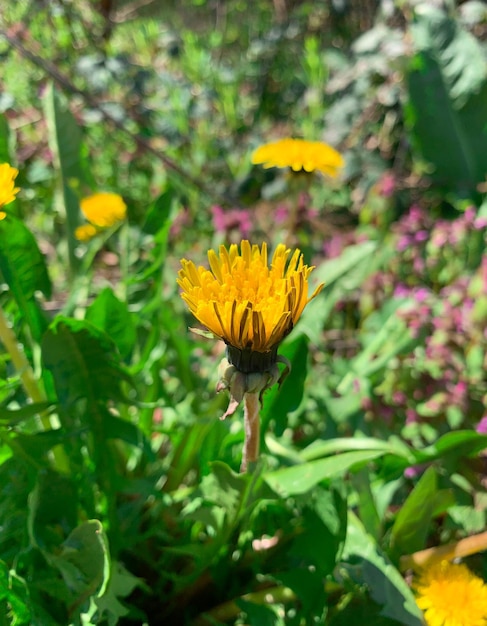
{"x": 102, "y": 210}
{"x": 451, "y": 595}
{"x": 246, "y": 302}
{"x": 299, "y": 154}
{"x": 8, "y": 190}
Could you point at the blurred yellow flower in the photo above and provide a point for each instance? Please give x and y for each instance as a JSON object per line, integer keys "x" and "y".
{"x": 8, "y": 190}
{"x": 450, "y": 595}
{"x": 104, "y": 209}
{"x": 85, "y": 232}
{"x": 250, "y": 305}
{"x": 299, "y": 154}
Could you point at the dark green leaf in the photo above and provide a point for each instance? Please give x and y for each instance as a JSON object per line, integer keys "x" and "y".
{"x": 83, "y": 360}
{"x": 12, "y": 417}
{"x": 84, "y": 561}
{"x": 279, "y": 401}
{"x": 110, "y": 314}
{"x": 22, "y": 265}
{"x": 53, "y": 509}
{"x": 413, "y": 520}
{"x": 258, "y": 614}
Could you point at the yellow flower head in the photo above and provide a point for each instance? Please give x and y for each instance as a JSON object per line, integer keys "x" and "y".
{"x": 8, "y": 190}
{"x": 250, "y": 305}
{"x": 299, "y": 154}
{"x": 104, "y": 209}
{"x": 450, "y": 595}
{"x": 85, "y": 232}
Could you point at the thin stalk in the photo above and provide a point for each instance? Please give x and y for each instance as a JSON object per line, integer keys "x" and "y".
{"x": 464, "y": 547}
{"x": 29, "y": 382}
{"x": 252, "y": 431}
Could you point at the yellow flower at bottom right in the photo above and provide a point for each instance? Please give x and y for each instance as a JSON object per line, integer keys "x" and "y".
{"x": 451, "y": 595}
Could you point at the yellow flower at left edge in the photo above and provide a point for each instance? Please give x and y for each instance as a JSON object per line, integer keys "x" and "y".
{"x": 8, "y": 190}
{"x": 102, "y": 210}
{"x": 451, "y": 595}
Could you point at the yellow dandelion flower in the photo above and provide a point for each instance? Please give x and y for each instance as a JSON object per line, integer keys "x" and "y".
{"x": 104, "y": 209}
{"x": 451, "y": 595}
{"x": 8, "y": 190}
{"x": 85, "y": 232}
{"x": 299, "y": 154}
{"x": 250, "y": 305}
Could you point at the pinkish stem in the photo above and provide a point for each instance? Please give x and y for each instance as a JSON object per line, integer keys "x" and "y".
{"x": 252, "y": 430}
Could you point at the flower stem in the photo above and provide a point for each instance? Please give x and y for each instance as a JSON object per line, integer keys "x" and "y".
{"x": 9, "y": 339}
{"x": 252, "y": 431}
{"x": 462, "y": 548}
{"x": 19, "y": 360}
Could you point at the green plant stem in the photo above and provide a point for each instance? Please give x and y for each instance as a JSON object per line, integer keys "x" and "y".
{"x": 252, "y": 431}
{"x": 20, "y": 362}
{"x": 28, "y": 380}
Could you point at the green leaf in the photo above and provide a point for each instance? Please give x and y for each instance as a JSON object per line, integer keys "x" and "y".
{"x": 83, "y": 361}
{"x": 111, "y": 315}
{"x": 225, "y": 488}
{"x": 53, "y": 509}
{"x": 448, "y": 101}
{"x": 258, "y": 614}
{"x": 280, "y": 401}
{"x": 159, "y": 213}
{"x": 386, "y": 585}
{"x": 4, "y": 140}
{"x": 458, "y": 444}
{"x": 322, "y": 530}
{"x": 64, "y": 137}
{"x": 22, "y": 264}
{"x": 412, "y": 523}
{"x": 120, "y": 585}
{"x": 12, "y": 417}
{"x": 457, "y": 52}
{"x": 301, "y": 478}
{"x": 84, "y": 561}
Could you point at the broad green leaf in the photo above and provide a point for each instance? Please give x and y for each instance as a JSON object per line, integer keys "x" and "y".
{"x": 447, "y": 110}
{"x": 110, "y": 314}
{"x": 65, "y": 142}
{"x": 22, "y": 264}
{"x": 279, "y": 401}
{"x": 413, "y": 520}
{"x": 53, "y": 509}
{"x": 83, "y": 360}
{"x": 386, "y": 585}
{"x": 458, "y": 53}
{"x": 323, "y": 529}
{"x": 301, "y": 478}
{"x": 84, "y": 561}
